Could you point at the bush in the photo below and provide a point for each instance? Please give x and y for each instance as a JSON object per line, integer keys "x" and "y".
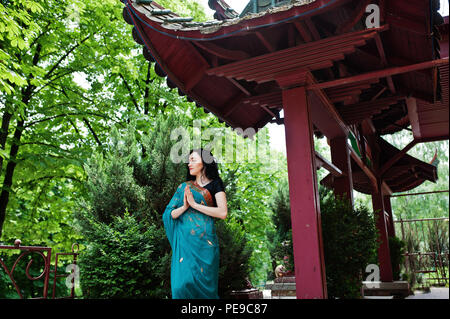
{"x": 281, "y": 237}
{"x": 350, "y": 244}
{"x": 397, "y": 248}
{"x": 234, "y": 257}
{"x": 349, "y": 239}
{"x": 123, "y": 260}
{"x": 128, "y": 256}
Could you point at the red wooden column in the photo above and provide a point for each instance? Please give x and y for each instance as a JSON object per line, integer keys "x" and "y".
{"x": 390, "y": 227}
{"x": 384, "y": 256}
{"x": 340, "y": 155}
{"x": 388, "y": 210}
{"x": 305, "y": 210}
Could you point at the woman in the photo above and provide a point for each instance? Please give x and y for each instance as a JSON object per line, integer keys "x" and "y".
{"x": 189, "y": 223}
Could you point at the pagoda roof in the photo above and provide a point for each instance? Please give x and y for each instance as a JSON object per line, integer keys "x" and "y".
{"x": 223, "y": 10}
{"x": 406, "y": 174}
{"x": 186, "y": 51}
{"x": 387, "y": 78}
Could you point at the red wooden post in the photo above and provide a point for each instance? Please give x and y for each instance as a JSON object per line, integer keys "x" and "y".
{"x": 340, "y": 154}
{"x": 305, "y": 209}
{"x": 388, "y": 209}
{"x": 391, "y": 227}
{"x": 384, "y": 256}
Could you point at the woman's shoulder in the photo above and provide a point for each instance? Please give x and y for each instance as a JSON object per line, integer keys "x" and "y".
{"x": 218, "y": 183}
{"x": 182, "y": 185}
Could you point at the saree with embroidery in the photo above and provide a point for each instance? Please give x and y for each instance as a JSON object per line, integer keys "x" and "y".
{"x": 194, "y": 270}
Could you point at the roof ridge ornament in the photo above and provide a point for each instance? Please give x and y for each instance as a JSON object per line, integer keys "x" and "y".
{"x": 223, "y": 10}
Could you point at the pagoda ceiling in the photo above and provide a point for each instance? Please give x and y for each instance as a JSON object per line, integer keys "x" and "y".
{"x": 392, "y": 77}
{"x": 224, "y": 64}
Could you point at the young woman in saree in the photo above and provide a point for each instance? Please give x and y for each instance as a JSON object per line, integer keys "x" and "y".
{"x": 189, "y": 224}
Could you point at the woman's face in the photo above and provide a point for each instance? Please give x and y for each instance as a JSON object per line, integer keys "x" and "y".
{"x": 195, "y": 164}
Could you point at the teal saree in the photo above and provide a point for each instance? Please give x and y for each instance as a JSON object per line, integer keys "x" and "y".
{"x": 194, "y": 270}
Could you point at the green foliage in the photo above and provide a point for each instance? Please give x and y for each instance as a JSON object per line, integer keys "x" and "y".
{"x": 123, "y": 259}
{"x": 234, "y": 257}
{"x": 350, "y": 244}
{"x": 397, "y": 248}
{"x": 140, "y": 178}
{"x": 425, "y": 236}
{"x": 123, "y": 180}
{"x": 75, "y": 77}
{"x": 427, "y": 205}
{"x": 27, "y": 287}
{"x": 349, "y": 239}
{"x": 190, "y": 8}
{"x": 280, "y": 236}
{"x": 250, "y": 186}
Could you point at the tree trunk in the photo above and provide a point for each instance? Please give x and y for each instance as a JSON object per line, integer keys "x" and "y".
{"x": 4, "y": 133}
{"x": 10, "y": 167}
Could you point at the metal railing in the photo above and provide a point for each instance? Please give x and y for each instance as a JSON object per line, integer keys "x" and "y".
{"x": 427, "y": 249}
{"x": 45, "y": 253}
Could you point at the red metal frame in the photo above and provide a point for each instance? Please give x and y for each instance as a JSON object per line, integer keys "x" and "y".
{"x": 45, "y": 253}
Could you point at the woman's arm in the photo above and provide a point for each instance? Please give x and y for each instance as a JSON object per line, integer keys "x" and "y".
{"x": 180, "y": 210}
{"x": 221, "y": 211}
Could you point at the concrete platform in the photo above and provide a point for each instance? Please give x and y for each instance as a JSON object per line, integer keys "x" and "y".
{"x": 282, "y": 287}
{"x": 397, "y": 289}
{"x": 435, "y": 293}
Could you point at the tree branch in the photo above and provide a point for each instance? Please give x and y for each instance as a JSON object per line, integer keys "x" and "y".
{"x": 32, "y": 181}
{"x": 65, "y": 114}
{"x": 147, "y": 89}
{"x": 46, "y": 76}
{"x": 45, "y": 144}
{"x": 131, "y": 93}
{"x": 92, "y": 131}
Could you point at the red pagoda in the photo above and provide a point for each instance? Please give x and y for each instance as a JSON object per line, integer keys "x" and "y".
{"x": 333, "y": 74}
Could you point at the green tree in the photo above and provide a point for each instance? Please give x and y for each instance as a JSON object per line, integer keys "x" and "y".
{"x": 40, "y": 135}
{"x": 75, "y": 77}
{"x": 280, "y": 237}
{"x": 125, "y": 179}
{"x": 251, "y": 182}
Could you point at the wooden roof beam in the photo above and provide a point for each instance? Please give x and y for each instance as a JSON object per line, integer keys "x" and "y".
{"x": 233, "y": 55}
{"x": 312, "y": 29}
{"x": 265, "y": 42}
{"x": 234, "y": 103}
{"x": 306, "y": 36}
{"x": 265, "y": 101}
{"x": 372, "y": 105}
{"x": 324, "y": 114}
{"x": 330, "y": 167}
{"x": 239, "y": 86}
{"x": 364, "y": 168}
{"x": 384, "y": 61}
{"x": 379, "y": 74}
{"x": 304, "y": 50}
{"x": 355, "y": 17}
{"x": 370, "y": 174}
{"x": 396, "y": 158}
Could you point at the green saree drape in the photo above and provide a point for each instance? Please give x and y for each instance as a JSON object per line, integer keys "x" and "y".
{"x": 195, "y": 247}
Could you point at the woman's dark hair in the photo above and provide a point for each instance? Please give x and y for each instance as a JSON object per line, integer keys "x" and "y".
{"x": 209, "y": 163}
